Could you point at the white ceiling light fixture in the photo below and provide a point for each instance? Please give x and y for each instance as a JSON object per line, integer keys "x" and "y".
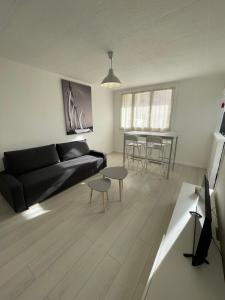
{"x": 111, "y": 81}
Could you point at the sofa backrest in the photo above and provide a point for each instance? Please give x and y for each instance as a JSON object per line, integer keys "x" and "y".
{"x": 22, "y": 161}
{"x": 72, "y": 150}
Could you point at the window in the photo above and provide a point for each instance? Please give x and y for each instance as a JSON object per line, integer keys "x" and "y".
{"x": 141, "y": 110}
{"x": 126, "y": 111}
{"x": 147, "y": 110}
{"x": 161, "y": 110}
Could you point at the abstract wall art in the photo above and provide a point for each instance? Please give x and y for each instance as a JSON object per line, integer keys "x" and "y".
{"x": 77, "y": 107}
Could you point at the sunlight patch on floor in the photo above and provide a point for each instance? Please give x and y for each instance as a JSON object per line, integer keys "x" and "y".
{"x": 34, "y": 211}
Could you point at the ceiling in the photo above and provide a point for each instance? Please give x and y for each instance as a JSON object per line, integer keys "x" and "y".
{"x": 153, "y": 40}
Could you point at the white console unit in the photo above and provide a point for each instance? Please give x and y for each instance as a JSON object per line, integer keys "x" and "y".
{"x": 172, "y": 276}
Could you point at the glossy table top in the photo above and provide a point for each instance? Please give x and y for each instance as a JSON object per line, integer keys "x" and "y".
{"x": 115, "y": 172}
{"x": 167, "y": 134}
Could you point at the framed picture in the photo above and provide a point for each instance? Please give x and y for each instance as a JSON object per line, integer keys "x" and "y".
{"x": 77, "y": 107}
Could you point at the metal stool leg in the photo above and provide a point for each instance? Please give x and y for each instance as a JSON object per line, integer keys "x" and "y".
{"x": 163, "y": 166}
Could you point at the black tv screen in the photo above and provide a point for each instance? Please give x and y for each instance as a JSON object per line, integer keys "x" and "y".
{"x": 202, "y": 228}
{"x": 222, "y": 127}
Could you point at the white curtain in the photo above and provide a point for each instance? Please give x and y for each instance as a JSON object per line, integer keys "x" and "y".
{"x": 141, "y": 110}
{"x": 161, "y": 110}
{"x": 150, "y": 110}
{"x": 126, "y": 111}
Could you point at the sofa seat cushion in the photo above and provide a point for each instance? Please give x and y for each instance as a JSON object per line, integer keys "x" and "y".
{"x": 72, "y": 150}
{"x": 22, "y": 161}
{"x": 40, "y": 184}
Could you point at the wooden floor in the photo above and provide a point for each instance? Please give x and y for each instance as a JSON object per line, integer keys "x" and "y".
{"x": 65, "y": 249}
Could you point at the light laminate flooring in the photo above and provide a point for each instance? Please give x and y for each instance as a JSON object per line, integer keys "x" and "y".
{"x": 64, "y": 249}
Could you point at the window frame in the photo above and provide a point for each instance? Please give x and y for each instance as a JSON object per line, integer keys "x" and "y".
{"x": 151, "y": 91}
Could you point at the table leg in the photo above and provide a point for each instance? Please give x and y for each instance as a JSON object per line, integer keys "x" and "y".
{"x": 91, "y": 196}
{"x": 170, "y": 156}
{"x": 175, "y": 152}
{"x": 120, "y": 188}
{"x": 103, "y": 201}
{"x": 124, "y": 144}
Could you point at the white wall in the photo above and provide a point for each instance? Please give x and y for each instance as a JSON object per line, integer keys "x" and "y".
{"x": 194, "y": 118}
{"x": 31, "y": 110}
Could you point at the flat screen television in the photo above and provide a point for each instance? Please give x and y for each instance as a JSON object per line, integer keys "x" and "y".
{"x": 202, "y": 235}
{"x": 222, "y": 127}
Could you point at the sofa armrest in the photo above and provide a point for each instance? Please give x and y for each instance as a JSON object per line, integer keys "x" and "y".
{"x": 12, "y": 190}
{"x": 99, "y": 154}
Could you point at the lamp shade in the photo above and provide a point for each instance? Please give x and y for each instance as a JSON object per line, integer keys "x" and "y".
{"x": 111, "y": 81}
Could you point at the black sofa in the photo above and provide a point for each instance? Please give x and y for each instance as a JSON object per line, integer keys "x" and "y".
{"x": 33, "y": 175}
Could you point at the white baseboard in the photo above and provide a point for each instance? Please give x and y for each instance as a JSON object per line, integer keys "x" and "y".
{"x": 184, "y": 163}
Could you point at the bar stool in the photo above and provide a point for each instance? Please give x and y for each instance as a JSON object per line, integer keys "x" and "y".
{"x": 154, "y": 143}
{"x": 134, "y": 149}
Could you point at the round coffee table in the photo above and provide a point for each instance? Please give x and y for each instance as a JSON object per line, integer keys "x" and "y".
{"x": 118, "y": 173}
{"x": 100, "y": 185}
